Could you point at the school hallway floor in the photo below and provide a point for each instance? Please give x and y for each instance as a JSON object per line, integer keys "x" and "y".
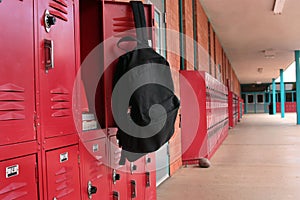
{"x": 259, "y": 160}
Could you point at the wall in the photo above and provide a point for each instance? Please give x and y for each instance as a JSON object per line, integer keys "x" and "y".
{"x": 172, "y": 24}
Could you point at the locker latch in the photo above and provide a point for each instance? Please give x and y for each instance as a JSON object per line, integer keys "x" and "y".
{"x": 148, "y": 179}
{"x": 116, "y": 177}
{"x": 133, "y": 189}
{"x": 49, "y": 54}
{"x": 133, "y": 167}
{"x": 91, "y": 189}
{"x": 49, "y": 20}
{"x": 115, "y": 195}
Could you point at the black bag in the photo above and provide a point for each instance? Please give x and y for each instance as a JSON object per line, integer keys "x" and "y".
{"x": 144, "y": 104}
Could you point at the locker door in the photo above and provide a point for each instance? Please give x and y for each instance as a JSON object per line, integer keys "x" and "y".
{"x": 117, "y": 22}
{"x": 18, "y": 178}
{"x": 118, "y": 173}
{"x": 150, "y": 175}
{"x": 56, "y": 66}
{"x": 16, "y": 72}
{"x": 94, "y": 176}
{"x": 137, "y": 179}
{"x": 63, "y": 174}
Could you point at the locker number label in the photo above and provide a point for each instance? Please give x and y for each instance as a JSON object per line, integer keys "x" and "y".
{"x": 12, "y": 171}
{"x": 95, "y": 148}
{"x": 64, "y": 157}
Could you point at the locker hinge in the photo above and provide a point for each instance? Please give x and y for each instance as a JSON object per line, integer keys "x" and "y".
{"x": 78, "y": 159}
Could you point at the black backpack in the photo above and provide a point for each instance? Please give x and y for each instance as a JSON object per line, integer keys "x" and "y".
{"x": 143, "y": 101}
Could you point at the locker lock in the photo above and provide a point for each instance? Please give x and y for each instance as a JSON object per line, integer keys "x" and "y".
{"x": 49, "y": 20}
{"x": 133, "y": 167}
{"x": 91, "y": 189}
{"x": 116, "y": 177}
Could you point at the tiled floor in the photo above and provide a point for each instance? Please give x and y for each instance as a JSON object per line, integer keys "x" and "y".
{"x": 259, "y": 160}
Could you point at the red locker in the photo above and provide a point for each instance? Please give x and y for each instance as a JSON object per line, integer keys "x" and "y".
{"x": 94, "y": 161}
{"x": 63, "y": 174}
{"x": 231, "y": 109}
{"x": 204, "y": 115}
{"x": 150, "y": 177}
{"x": 17, "y": 100}
{"x": 117, "y": 22}
{"x": 193, "y": 116}
{"x": 137, "y": 179}
{"x": 120, "y": 189}
{"x": 19, "y": 178}
{"x": 57, "y": 66}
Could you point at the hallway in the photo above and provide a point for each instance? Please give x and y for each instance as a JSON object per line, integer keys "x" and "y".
{"x": 259, "y": 160}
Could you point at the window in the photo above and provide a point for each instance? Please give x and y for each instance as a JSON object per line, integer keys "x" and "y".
{"x": 250, "y": 98}
{"x": 267, "y": 97}
{"x": 157, "y": 17}
{"x": 288, "y": 97}
{"x": 289, "y": 86}
{"x": 260, "y": 98}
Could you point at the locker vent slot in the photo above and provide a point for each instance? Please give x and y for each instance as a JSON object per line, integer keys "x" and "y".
{"x": 61, "y": 102}
{"x": 12, "y": 191}
{"x": 63, "y": 182}
{"x": 59, "y": 9}
{"x": 12, "y": 102}
{"x": 124, "y": 26}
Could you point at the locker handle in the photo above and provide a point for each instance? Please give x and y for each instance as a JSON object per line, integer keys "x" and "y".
{"x": 49, "y": 54}
{"x": 115, "y": 195}
{"x": 148, "y": 184}
{"x": 133, "y": 190}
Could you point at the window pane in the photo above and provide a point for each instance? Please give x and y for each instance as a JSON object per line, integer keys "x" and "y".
{"x": 260, "y": 98}
{"x": 250, "y": 98}
{"x": 157, "y": 24}
{"x": 288, "y": 97}
{"x": 267, "y": 97}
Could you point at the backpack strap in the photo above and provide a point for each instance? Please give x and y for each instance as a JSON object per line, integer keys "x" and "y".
{"x": 140, "y": 21}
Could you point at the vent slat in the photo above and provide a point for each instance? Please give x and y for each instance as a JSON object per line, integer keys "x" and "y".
{"x": 61, "y": 2}
{"x": 11, "y": 106}
{"x": 12, "y": 116}
{"x": 58, "y": 15}
{"x": 9, "y": 87}
{"x": 9, "y": 96}
{"x": 62, "y": 113}
{"x": 58, "y": 8}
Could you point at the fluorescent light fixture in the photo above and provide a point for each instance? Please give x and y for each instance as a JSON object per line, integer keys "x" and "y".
{"x": 278, "y": 6}
{"x": 269, "y": 53}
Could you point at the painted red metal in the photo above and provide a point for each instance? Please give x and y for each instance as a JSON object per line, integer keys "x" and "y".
{"x": 17, "y": 100}
{"x": 63, "y": 174}
{"x": 57, "y": 69}
{"x": 288, "y": 107}
{"x": 94, "y": 170}
{"x": 204, "y": 115}
{"x": 19, "y": 178}
{"x": 150, "y": 177}
{"x": 233, "y": 105}
{"x": 117, "y": 22}
{"x": 118, "y": 174}
{"x": 193, "y": 116}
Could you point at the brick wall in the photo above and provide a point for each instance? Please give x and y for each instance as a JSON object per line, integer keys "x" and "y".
{"x": 172, "y": 18}
{"x": 188, "y": 32}
{"x": 202, "y": 38}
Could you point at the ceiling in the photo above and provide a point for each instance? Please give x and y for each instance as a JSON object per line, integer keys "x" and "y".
{"x": 246, "y": 28}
